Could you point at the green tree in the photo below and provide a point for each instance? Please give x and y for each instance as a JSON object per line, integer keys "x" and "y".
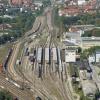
{"x": 5, "y": 95}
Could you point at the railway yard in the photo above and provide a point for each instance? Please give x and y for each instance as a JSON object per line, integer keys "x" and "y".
{"x": 49, "y": 50}
{"x": 38, "y": 68}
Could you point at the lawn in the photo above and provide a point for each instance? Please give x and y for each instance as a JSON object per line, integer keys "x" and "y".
{"x": 4, "y": 51}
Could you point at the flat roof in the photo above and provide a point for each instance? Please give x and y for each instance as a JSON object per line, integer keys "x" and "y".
{"x": 54, "y": 54}
{"x": 47, "y": 53}
{"x": 39, "y": 54}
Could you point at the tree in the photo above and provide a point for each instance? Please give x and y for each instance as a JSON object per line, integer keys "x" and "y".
{"x": 97, "y": 95}
{"x": 5, "y": 95}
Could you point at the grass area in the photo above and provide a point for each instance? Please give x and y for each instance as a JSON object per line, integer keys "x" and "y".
{"x": 20, "y": 51}
{"x": 4, "y": 51}
{"x": 79, "y": 91}
{"x": 58, "y": 20}
{"x": 73, "y": 70}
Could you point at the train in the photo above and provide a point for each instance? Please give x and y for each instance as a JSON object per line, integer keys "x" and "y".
{"x": 26, "y": 52}
{"x": 32, "y": 56}
{"x": 49, "y": 56}
{"x": 40, "y": 71}
{"x": 5, "y": 64}
{"x": 42, "y": 56}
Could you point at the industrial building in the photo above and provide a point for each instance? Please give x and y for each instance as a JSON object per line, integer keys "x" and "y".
{"x": 88, "y": 42}
{"x": 47, "y": 54}
{"x": 54, "y": 51}
{"x": 88, "y": 85}
{"x": 39, "y": 55}
{"x": 91, "y": 58}
{"x": 81, "y": 2}
{"x": 95, "y": 57}
{"x": 70, "y": 55}
{"x": 89, "y": 88}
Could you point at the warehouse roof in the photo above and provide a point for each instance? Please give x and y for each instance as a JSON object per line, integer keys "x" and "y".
{"x": 47, "y": 54}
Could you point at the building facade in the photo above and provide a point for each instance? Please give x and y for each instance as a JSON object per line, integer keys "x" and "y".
{"x": 70, "y": 55}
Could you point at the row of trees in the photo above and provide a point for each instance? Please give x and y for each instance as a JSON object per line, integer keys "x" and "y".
{"x": 94, "y": 32}
{"x": 89, "y": 51}
{"x": 46, "y": 3}
{"x": 82, "y": 19}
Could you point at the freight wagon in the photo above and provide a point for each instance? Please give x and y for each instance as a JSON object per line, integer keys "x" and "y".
{"x": 5, "y": 64}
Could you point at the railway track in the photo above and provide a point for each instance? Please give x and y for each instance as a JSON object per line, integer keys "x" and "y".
{"x": 60, "y": 86}
{"x": 21, "y": 94}
{"x": 10, "y": 69}
{"x": 49, "y": 41}
{"x": 13, "y": 73}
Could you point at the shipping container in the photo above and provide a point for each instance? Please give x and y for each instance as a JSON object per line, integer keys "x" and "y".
{"x": 39, "y": 71}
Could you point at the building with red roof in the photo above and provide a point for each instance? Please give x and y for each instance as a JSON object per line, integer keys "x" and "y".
{"x": 21, "y": 2}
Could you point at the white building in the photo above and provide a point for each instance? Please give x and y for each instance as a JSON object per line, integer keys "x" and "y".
{"x": 70, "y": 55}
{"x": 91, "y": 58}
{"x": 39, "y": 55}
{"x": 97, "y": 55}
{"x": 89, "y": 88}
{"x": 47, "y": 53}
{"x": 54, "y": 51}
{"x": 81, "y": 2}
{"x": 38, "y": 3}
